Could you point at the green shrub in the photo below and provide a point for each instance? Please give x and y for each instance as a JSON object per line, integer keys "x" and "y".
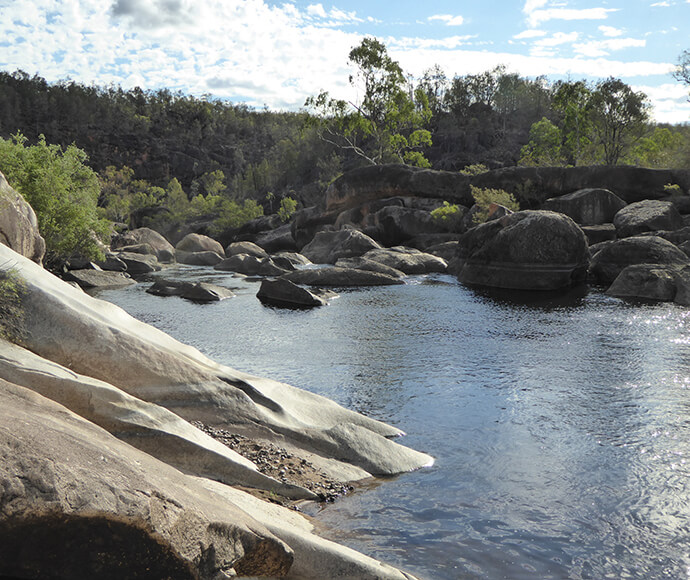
{"x": 232, "y": 214}
{"x": 287, "y": 209}
{"x": 484, "y": 197}
{"x": 63, "y": 192}
{"x": 11, "y": 312}
{"x": 673, "y": 189}
{"x": 474, "y": 169}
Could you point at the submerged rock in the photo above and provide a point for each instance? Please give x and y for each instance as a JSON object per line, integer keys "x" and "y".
{"x": 91, "y": 278}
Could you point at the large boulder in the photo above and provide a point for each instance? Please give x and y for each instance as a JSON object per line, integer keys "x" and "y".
{"x": 648, "y": 281}
{"x": 249, "y": 248}
{"x": 279, "y": 239}
{"x": 75, "y": 502}
{"x": 161, "y": 248}
{"x": 100, "y": 340}
{"x": 615, "y": 256}
{"x": 327, "y": 247}
{"x": 647, "y": 216}
{"x": 395, "y": 225}
{"x": 207, "y": 258}
{"x": 587, "y": 207}
{"x": 18, "y": 224}
{"x": 407, "y": 260}
{"x": 527, "y": 250}
{"x": 139, "y": 263}
{"x": 200, "y": 243}
{"x": 341, "y": 277}
{"x": 285, "y": 294}
{"x": 92, "y": 278}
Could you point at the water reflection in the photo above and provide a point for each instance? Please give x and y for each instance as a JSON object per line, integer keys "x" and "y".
{"x": 559, "y": 423}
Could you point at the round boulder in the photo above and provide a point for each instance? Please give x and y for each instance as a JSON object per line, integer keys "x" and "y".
{"x": 200, "y": 243}
{"x": 407, "y": 260}
{"x": 650, "y": 215}
{"x": 614, "y": 257}
{"x": 285, "y": 294}
{"x": 648, "y": 281}
{"x": 526, "y": 250}
{"x": 249, "y": 248}
{"x": 145, "y": 241}
{"x": 327, "y": 247}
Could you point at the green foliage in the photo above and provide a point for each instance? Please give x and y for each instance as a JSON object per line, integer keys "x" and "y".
{"x": 474, "y": 169}
{"x": 544, "y": 147}
{"x": 63, "y": 192}
{"x": 657, "y": 150}
{"x": 449, "y": 216}
{"x": 388, "y": 124}
{"x": 673, "y": 189}
{"x": 572, "y": 101}
{"x": 232, "y": 214}
{"x": 287, "y": 209}
{"x": 11, "y": 312}
{"x": 484, "y": 197}
{"x": 682, "y": 71}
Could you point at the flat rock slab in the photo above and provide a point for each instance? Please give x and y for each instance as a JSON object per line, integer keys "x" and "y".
{"x": 98, "y": 278}
{"x": 408, "y": 260}
{"x": 341, "y": 277}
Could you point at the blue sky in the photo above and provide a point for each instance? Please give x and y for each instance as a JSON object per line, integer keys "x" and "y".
{"x": 276, "y": 54}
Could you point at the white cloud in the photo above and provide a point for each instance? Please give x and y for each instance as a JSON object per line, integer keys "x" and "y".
{"x": 316, "y": 10}
{"x": 597, "y": 48}
{"x": 538, "y": 17}
{"x": 449, "y": 19}
{"x": 531, "y": 33}
{"x": 532, "y": 5}
{"x": 610, "y": 31}
{"x": 661, "y": 4}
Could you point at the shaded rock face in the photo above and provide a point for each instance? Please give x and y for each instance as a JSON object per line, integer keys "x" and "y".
{"x": 362, "y": 263}
{"x": 160, "y": 247}
{"x": 392, "y": 225}
{"x": 328, "y": 247}
{"x": 527, "y": 250}
{"x": 648, "y": 281}
{"x": 600, "y": 233}
{"x": 279, "y": 239}
{"x": 647, "y": 216}
{"x": 139, "y": 263}
{"x": 200, "y": 243}
{"x": 18, "y": 224}
{"x": 615, "y": 256}
{"x": 286, "y": 294}
{"x": 587, "y": 207}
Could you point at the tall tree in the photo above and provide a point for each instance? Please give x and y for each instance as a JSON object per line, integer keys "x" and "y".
{"x": 682, "y": 72}
{"x": 572, "y": 101}
{"x": 388, "y": 124}
{"x": 619, "y": 117}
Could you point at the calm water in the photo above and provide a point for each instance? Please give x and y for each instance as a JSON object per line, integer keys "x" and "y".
{"x": 560, "y": 427}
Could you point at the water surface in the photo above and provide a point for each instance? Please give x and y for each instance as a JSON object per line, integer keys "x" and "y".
{"x": 560, "y": 426}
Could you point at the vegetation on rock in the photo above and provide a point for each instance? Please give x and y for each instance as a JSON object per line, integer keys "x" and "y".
{"x": 485, "y": 197}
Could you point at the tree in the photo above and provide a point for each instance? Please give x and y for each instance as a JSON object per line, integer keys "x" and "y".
{"x": 388, "y": 123}
{"x": 682, "y": 72}
{"x": 544, "y": 147}
{"x": 63, "y": 192}
{"x": 619, "y": 117}
{"x": 572, "y": 101}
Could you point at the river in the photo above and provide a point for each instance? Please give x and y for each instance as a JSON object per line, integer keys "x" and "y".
{"x": 560, "y": 425}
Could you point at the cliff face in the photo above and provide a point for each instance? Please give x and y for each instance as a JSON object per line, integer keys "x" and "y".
{"x": 95, "y": 379}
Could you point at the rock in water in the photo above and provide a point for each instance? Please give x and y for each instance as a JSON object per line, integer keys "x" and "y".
{"x": 283, "y": 293}
{"x": 527, "y": 250}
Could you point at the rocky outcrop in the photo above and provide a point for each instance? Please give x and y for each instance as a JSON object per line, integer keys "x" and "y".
{"x": 362, "y": 263}
{"x": 161, "y": 248}
{"x": 279, "y": 239}
{"x": 328, "y": 247}
{"x": 393, "y": 225}
{"x": 407, "y": 260}
{"x": 527, "y": 250}
{"x": 587, "y": 207}
{"x": 249, "y": 248}
{"x": 648, "y": 281}
{"x": 70, "y": 485}
{"x": 286, "y": 294}
{"x": 615, "y": 256}
{"x": 341, "y": 277}
{"x": 207, "y": 258}
{"x": 91, "y": 278}
{"x": 18, "y": 224}
{"x": 647, "y": 216}
{"x": 250, "y": 265}
{"x": 138, "y": 264}
{"x": 199, "y": 243}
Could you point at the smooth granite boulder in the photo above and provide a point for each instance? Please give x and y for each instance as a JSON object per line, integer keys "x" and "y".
{"x": 647, "y": 216}
{"x": 100, "y": 340}
{"x": 527, "y": 250}
{"x": 362, "y": 263}
{"x": 92, "y": 278}
{"x": 141, "y": 237}
{"x": 647, "y": 281}
{"x": 328, "y": 247}
{"x": 407, "y": 260}
{"x": 18, "y": 224}
{"x": 395, "y": 225}
{"x": 587, "y": 207}
{"x": 207, "y": 258}
{"x": 138, "y": 264}
{"x": 250, "y": 265}
{"x": 286, "y": 294}
{"x": 200, "y": 243}
{"x": 615, "y": 256}
{"x": 75, "y": 502}
{"x": 249, "y": 248}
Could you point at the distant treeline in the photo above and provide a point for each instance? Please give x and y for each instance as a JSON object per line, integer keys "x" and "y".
{"x": 266, "y": 155}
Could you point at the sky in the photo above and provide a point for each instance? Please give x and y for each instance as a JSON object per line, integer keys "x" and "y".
{"x": 277, "y": 53}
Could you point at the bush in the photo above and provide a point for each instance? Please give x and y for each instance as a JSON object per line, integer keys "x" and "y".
{"x": 485, "y": 197}
{"x": 63, "y": 192}
{"x": 233, "y": 214}
{"x": 449, "y": 216}
{"x": 474, "y": 169}
{"x": 673, "y": 189}
{"x": 11, "y": 312}
{"x": 287, "y": 209}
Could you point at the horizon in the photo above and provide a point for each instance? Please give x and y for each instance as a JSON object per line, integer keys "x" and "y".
{"x": 275, "y": 54}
